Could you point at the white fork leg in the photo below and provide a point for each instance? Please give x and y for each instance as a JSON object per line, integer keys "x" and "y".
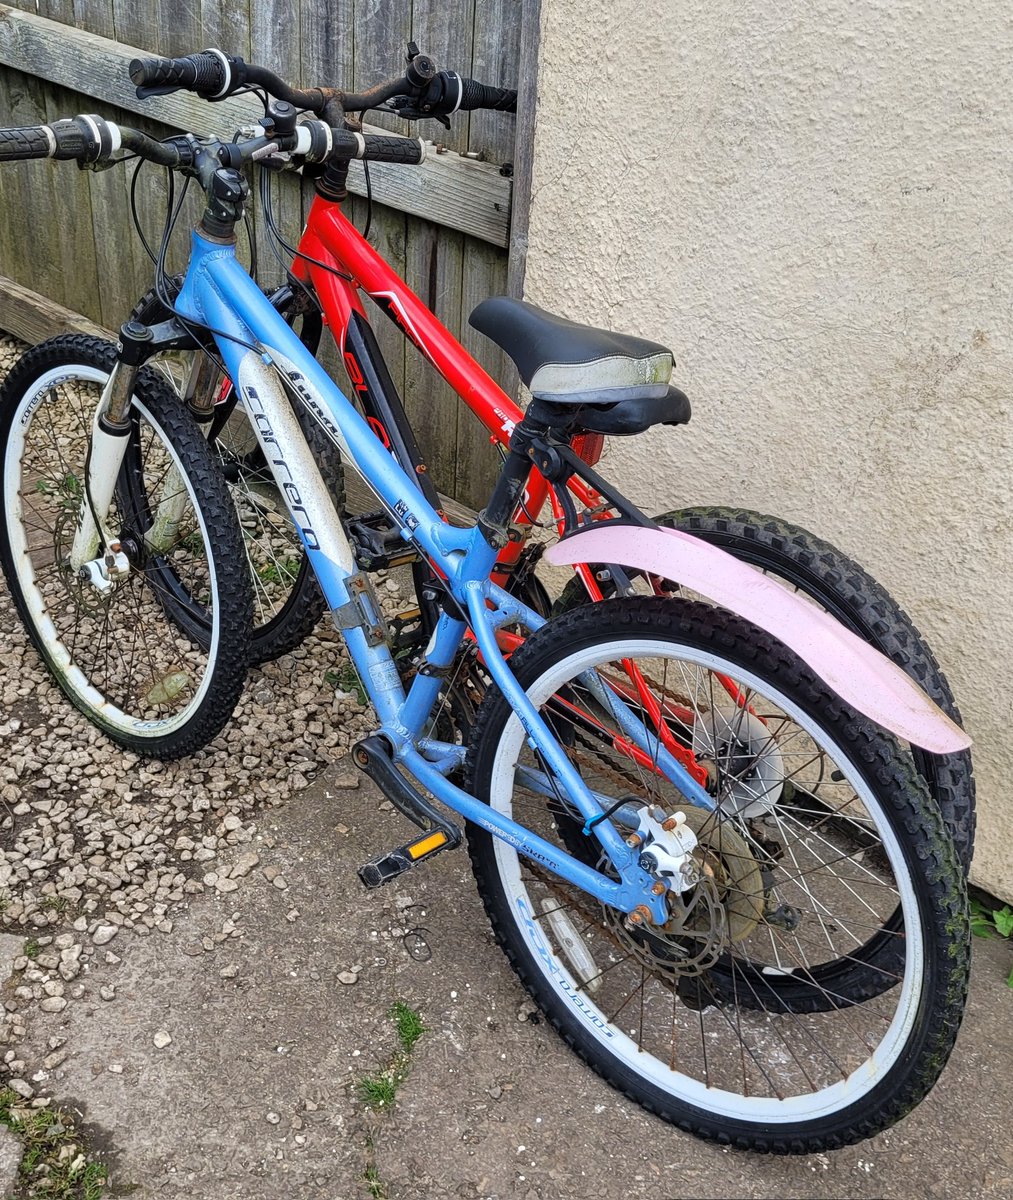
{"x": 105, "y": 460}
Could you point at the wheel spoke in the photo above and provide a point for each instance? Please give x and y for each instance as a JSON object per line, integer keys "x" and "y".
{"x": 784, "y": 973}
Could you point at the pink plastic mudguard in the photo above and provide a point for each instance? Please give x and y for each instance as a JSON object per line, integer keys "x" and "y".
{"x": 857, "y": 672}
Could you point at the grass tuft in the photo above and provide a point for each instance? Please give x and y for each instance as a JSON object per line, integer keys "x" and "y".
{"x": 54, "y": 1164}
{"x": 371, "y": 1175}
{"x": 379, "y": 1091}
{"x": 408, "y": 1024}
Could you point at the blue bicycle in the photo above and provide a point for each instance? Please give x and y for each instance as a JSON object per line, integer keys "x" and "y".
{"x": 686, "y": 842}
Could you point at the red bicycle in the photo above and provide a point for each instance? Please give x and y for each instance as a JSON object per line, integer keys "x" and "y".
{"x": 333, "y": 268}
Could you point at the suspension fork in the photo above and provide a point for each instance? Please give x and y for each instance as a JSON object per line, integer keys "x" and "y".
{"x": 109, "y": 432}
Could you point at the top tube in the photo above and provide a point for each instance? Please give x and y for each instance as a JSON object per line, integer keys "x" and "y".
{"x": 330, "y": 235}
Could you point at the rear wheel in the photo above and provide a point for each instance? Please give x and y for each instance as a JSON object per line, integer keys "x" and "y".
{"x": 822, "y": 832}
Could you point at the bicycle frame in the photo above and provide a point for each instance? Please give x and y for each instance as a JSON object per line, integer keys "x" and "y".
{"x": 331, "y": 239}
{"x": 264, "y": 357}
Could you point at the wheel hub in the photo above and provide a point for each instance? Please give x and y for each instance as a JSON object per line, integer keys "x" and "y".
{"x": 722, "y": 905}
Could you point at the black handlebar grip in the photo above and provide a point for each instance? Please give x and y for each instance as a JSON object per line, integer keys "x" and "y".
{"x": 373, "y": 147}
{"x": 86, "y": 139}
{"x": 206, "y": 73}
{"x": 32, "y": 142}
{"x": 393, "y": 149}
{"x": 480, "y": 95}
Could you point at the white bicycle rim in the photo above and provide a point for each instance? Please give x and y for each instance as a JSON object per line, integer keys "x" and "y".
{"x": 59, "y": 657}
{"x": 613, "y": 1041}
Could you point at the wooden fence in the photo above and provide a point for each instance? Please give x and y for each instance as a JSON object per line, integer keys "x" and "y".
{"x": 69, "y": 257}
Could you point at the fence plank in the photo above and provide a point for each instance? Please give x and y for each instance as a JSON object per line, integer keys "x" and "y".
{"x": 434, "y": 271}
{"x": 447, "y": 189}
{"x": 477, "y": 464}
{"x": 226, "y": 25}
{"x": 495, "y": 61}
{"x": 449, "y": 43}
{"x": 32, "y": 317}
{"x": 524, "y": 135}
{"x": 29, "y": 193}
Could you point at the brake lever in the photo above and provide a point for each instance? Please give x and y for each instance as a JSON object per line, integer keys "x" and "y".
{"x": 145, "y": 93}
{"x": 406, "y": 107}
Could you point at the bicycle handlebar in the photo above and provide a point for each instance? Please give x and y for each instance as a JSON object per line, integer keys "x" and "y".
{"x": 214, "y": 75}
{"x": 91, "y": 139}
{"x": 424, "y": 92}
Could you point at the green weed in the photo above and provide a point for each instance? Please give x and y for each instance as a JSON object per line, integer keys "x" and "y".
{"x": 193, "y": 543}
{"x": 408, "y": 1024}
{"x": 346, "y": 679}
{"x": 54, "y": 1164}
{"x": 68, "y": 491}
{"x": 284, "y": 571}
{"x": 987, "y": 921}
{"x": 371, "y": 1175}
{"x": 380, "y": 1090}
{"x": 376, "y": 1186}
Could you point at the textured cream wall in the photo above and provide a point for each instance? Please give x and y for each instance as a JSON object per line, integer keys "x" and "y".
{"x": 811, "y": 205}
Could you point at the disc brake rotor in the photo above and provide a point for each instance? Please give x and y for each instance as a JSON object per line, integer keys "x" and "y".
{"x": 723, "y": 855}
{"x": 723, "y": 907}
{"x": 750, "y": 763}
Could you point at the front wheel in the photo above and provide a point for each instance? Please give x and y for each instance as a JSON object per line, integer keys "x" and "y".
{"x": 813, "y": 567}
{"x": 822, "y": 833}
{"x": 155, "y": 657}
{"x": 808, "y": 564}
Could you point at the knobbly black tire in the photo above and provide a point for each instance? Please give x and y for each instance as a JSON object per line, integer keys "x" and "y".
{"x": 211, "y": 500}
{"x": 296, "y": 619}
{"x": 844, "y": 589}
{"x": 927, "y": 848}
{"x": 849, "y": 593}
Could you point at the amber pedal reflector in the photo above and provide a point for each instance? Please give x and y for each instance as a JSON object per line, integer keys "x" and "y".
{"x": 427, "y": 845}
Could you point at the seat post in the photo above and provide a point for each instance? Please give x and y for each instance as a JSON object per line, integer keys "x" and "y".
{"x": 494, "y": 519}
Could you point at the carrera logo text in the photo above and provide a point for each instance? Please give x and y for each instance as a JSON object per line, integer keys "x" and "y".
{"x": 31, "y": 406}
{"x": 586, "y": 1010}
{"x": 293, "y": 499}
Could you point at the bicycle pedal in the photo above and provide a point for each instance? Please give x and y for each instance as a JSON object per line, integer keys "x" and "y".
{"x": 378, "y": 546}
{"x": 383, "y": 868}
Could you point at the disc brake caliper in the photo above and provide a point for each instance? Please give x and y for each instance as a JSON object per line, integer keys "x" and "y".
{"x": 666, "y": 846}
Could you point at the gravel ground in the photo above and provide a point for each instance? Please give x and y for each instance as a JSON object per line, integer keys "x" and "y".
{"x": 187, "y": 958}
{"x": 94, "y": 840}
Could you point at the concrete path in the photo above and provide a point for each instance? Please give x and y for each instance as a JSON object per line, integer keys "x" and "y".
{"x": 255, "y": 1095}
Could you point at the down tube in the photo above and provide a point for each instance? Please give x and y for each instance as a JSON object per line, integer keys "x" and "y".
{"x": 234, "y": 302}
